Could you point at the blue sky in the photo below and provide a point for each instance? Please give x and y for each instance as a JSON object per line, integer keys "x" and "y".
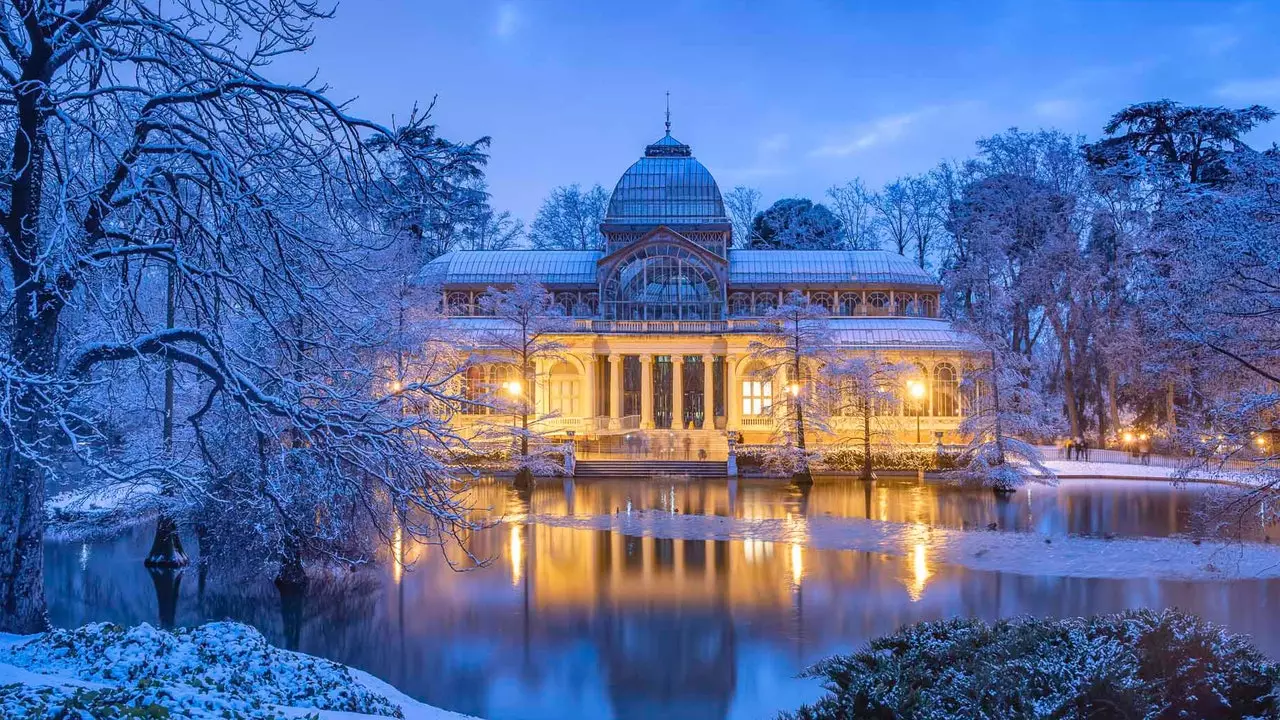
{"x": 789, "y": 97}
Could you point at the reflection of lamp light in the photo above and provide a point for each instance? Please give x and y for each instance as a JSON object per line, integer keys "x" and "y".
{"x": 797, "y": 564}
{"x": 517, "y": 553}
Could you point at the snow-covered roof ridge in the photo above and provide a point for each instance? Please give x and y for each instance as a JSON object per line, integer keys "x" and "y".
{"x": 746, "y": 267}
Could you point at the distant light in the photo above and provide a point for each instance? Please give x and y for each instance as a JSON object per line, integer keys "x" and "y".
{"x": 1261, "y": 441}
{"x": 1128, "y": 437}
{"x": 396, "y": 386}
{"x": 512, "y": 387}
{"x": 794, "y": 389}
{"x": 916, "y": 389}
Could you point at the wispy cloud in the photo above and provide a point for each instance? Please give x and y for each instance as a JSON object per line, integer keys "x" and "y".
{"x": 1215, "y": 39}
{"x": 1252, "y": 90}
{"x": 865, "y": 136}
{"x": 1056, "y": 109}
{"x": 770, "y": 159}
{"x": 508, "y": 20}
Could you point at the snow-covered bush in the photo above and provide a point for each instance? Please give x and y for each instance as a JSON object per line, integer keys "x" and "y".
{"x": 220, "y": 669}
{"x": 1134, "y": 664}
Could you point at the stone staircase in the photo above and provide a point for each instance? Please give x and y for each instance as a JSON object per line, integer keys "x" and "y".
{"x": 600, "y": 469}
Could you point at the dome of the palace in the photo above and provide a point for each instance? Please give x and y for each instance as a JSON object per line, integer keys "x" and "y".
{"x": 668, "y": 186}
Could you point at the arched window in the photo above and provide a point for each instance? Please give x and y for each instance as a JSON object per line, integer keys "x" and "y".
{"x": 739, "y": 304}
{"x": 878, "y": 304}
{"x": 567, "y": 301}
{"x": 822, "y": 300}
{"x": 945, "y": 388}
{"x": 662, "y": 282}
{"x": 459, "y": 303}
{"x": 587, "y": 306}
{"x": 475, "y": 390}
{"x": 766, "y": 301}
{"x": 928, "y": 306}
{"x": 850, "y": 304}
{"x": 564, "y": 389}
{"x": 910, "y": 306}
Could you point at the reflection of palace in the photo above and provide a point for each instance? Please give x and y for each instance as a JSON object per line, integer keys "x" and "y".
{"x": 663, "y": 317}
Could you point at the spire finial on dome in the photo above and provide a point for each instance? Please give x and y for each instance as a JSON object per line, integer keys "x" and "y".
{"x": 668, "y": 112}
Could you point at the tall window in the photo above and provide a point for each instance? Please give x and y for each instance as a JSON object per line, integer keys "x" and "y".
{"x": 945, "y": 388}
{"x": 928, "y": 306}
{"x": 564, "y": 390}
{"x": 739, "y": 305}
{"x": 475, "y": 391}
{"x": 878, "y": 304}
{"x": 822, "y": 300}
{"x": 850, "y": 303}
{"x": 630, "y": 385}
{"x": 459, "y": 303}
{"x": 757, "y": 397}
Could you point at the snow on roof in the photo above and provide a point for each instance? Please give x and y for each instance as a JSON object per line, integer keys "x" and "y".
{"x": 780, "y": 267}
{"x": 746, "y": 267}
{"x": 889, "y": 332}
{"x": 858, "y": 332}
{"x": 482, "y": 267}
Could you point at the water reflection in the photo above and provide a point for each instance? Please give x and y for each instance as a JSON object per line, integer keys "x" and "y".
{"x": 1095, "y": 507}
{"x": 566, "y": 623}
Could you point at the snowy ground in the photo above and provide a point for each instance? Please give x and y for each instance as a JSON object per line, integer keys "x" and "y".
{"x": 1010, "y": 552}
{"x": 217, "y": 670}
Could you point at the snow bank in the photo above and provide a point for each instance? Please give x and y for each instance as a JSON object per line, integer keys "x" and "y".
{"x": 217, "y": 670}
{"x": 102, "y": 510}
{"x": 1009, "y": 552}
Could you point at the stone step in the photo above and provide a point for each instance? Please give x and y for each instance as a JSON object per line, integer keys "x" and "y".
{"x": 647, "y": 468}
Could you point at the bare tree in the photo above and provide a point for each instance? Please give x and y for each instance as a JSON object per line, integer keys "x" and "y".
{"x": 922, "y": 216}
{"x": 570, "y": 218}
{"x": 743, "y": 204}
{"x": 856, "y": 208}
{"x": 893, "y": 214}
{"x": 125, "y": 120}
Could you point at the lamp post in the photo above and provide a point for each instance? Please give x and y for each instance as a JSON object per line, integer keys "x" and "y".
{"x": 915, "y": 389}
{"x": 516, "y": 389}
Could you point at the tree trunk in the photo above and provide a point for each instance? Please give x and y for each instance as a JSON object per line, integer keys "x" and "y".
{"x": 1113, "y": 402}
{"x": 1171, "y": 412}
{"x": 866, "y": 441}
{"x": 31, "y": 411}
{"x": 32, "y": 414}
{"x": 802, "y": 475}
{"x": 1068, "y": 377}
{"x": 166, "y": 546}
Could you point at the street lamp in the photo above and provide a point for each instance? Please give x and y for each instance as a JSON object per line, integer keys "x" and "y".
{"x": 915, "y": 389}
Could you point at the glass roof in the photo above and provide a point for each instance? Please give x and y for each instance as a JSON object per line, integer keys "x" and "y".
{"x": 481, "y": 267}
{"x": 783, "y": 267}
{"x": 899, "y": 332}
{"x": 666, "y": 186}
{"x": 746, "y": 267}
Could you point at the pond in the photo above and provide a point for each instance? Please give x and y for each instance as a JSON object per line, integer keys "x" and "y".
{"x": 573, "y": 623}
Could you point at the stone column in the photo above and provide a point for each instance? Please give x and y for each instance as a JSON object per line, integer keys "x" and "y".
{"x": 732, "y": 398}
{"x": 615, "y": 387}
{"x": 646, "y": 392}
{"x": 708, "y": 392}
{"x": 677, "y": 392}
{"x": 588, "y": 410}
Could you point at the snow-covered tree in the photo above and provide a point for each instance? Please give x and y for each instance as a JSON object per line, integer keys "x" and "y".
{"x": 793, "y": 346}
{"x": 796, "y": 224}
{"x": 570, "y": 218}
{"x": 1004, "y": 417}
{"x": 743, "y": 204}
{"x": 864, "y": 386}
{"x": 854, "y": 205}
{"x": 529, "y": 324}
{"x": 146, "y": 142}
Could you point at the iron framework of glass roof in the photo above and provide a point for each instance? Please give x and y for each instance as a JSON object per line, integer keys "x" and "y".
{"x": 668, "y": 186}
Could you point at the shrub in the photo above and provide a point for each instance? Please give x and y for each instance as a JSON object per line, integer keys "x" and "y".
{"x": 1157, "y": 665}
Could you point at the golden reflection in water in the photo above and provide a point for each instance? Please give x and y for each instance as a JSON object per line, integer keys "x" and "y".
{"x": 516, "y": 553}
{"x": 920, "y": 572}
{"x": 797, "y": 564}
